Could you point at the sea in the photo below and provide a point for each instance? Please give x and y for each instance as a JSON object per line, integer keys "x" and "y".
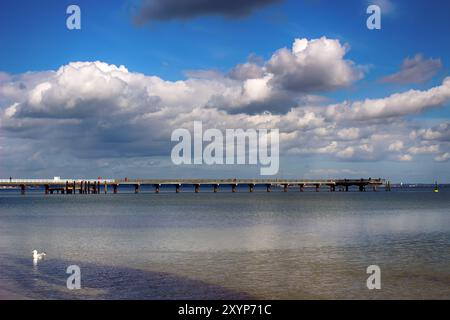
{"x": 293, "y": 245}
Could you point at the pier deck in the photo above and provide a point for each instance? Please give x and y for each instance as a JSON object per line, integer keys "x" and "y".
{"x": 88, "y": 186}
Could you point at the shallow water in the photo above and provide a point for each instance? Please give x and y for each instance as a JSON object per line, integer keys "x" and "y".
{"x": 215, "y": 246}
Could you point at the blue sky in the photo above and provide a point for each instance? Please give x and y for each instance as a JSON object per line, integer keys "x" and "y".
{"x": 34, "y": 36}
{"x": 34, "y": 39}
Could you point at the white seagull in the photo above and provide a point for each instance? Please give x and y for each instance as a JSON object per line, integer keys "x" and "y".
{"x": 38, "y": 256}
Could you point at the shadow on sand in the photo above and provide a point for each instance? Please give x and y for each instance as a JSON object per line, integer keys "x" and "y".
{"x": 48, "y": 279}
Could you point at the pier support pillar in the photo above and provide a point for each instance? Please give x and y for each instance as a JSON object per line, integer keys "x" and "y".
{"x": 233, "y": 188}
{"x": 67, "y": 187}
{"x": 317, "y": 187}
{"x": 251, "y": 187}
{"x": 375, "y": 189}
{"x": 285, "y": 187}
{"x": 346, "y": 188}
{"x": 137, "y": 188}
{"x": 302, "y": 188}
{"x": 269, "y": 187}
{"x": 216, "y": 188}
{"x": 177, "y": 188}
{"x": 105, "y": 187}
{"x": 197, "y": 188}
{"x": 361, "y": 188}
{"x": 157, "y": 188}
{"x": 22, "y": 188}
{"x": 47, "y": 187}
{"x": 115, "y": 188}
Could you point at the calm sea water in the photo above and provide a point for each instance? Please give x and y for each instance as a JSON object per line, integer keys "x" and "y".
{"x": 215, "y": 246}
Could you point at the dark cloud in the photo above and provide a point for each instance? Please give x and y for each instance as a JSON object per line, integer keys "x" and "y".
{"x": 277, "y": 103}
{"x": 415, "y": 70}
{"x": 246, "y": 71}
{"x": 161, "y": 10}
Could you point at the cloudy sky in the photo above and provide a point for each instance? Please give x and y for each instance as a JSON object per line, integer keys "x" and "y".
{"x": 104, "y": 100}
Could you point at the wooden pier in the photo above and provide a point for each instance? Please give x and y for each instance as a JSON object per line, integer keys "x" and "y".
{"x": 97, "y": 186}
